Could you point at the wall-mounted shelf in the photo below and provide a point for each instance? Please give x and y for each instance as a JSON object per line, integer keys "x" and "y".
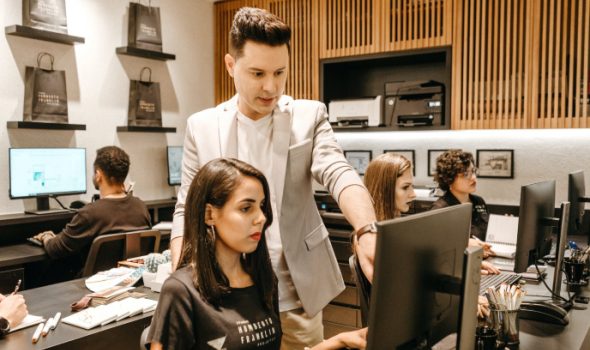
{"x": 46, "y": 126}
{"x": 39, "y": 34}
{"x": 154, "y": 55}
{"x": 144, "y": 129}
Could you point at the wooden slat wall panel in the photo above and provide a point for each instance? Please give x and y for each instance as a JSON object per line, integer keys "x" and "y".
{"x": 349, "y": 27}
{"x": 414, "y": 24}
{"x": 489, "y": 65}
{"x": 521, "y": 64}
{"x": 560, "y": 96}
{"x": 301, "y": 16}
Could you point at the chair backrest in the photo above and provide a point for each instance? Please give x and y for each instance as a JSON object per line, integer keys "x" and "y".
{"x": 107, "y": 250}
{"x": 364, "y": 287}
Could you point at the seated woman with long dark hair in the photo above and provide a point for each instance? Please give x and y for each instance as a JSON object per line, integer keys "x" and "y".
{"x": 224, "y": 292}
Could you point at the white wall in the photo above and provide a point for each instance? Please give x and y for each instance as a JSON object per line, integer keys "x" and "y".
{"x": 538, "y": 154}
{"x": 98, "y": 87}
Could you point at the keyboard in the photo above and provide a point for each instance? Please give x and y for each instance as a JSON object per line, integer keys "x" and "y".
{"x": 496, "y": 280}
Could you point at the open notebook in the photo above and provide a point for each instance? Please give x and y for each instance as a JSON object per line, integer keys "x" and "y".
{"x": 502, "y": 235}
{"x": 28, "y": 321}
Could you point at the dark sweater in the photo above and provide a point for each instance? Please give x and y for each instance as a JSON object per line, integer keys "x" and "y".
{"x": 479, "y": 214}
{"x": 108, "y": 215}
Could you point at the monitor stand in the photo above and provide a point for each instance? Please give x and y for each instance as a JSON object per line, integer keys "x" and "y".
{"x": 43, "y": 207}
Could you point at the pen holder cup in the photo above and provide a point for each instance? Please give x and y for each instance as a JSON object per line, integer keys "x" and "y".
{"x": 574, "y": 271}
{"x": 485, "y": 338}
{"x": 506, "y": 324}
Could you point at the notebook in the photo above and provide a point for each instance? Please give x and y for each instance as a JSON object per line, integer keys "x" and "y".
{"x": 502, "y": 235}
{"x": 105, "y": 314}
{"x": 28, "y": 321}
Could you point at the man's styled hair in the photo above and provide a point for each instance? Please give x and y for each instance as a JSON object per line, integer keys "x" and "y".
{"x": 449, "y": 165}
{"x": 259, "y": 26}
{"x": 114, "y": 163}
{"x": 380, "y": 179}
{"x": 214, "y": 184}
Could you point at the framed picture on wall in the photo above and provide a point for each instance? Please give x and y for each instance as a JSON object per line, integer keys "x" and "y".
{"x": 432, "y": 155}
{"x": 359, "y": 160}
{"x": 495, "y": 163}
{"x": 408, "y": 153}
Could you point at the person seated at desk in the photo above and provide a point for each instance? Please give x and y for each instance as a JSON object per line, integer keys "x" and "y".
{"x": 115, "y": 211}
{"x": 224, "y": 292}
{"x": 456, "y": 174}
{"x": 12, "y": 311}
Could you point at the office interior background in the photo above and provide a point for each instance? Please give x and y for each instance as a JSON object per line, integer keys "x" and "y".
{"x": 549, "y": 147}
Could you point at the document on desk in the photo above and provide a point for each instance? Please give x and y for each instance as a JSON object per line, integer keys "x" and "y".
{"x": 29, "y": 320}
{"x": 105, "y": 314}
{"x": 502, "y": 235}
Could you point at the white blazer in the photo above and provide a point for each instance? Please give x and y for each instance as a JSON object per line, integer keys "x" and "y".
{"x": 304, "y": 146}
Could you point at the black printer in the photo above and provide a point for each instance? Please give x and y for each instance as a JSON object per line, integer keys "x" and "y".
{"x": 415, "y": 105}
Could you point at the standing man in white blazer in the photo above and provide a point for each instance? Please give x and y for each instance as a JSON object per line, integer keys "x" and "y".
{"x": 291, "y": 142}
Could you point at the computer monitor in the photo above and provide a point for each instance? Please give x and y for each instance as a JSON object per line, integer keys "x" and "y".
{"x": 420, "y": 294}
{"x": 46, "y": 172}
{"x": 174, "y": 165}
{"x": 535, "y": 222}
{"x": 576, "y": 195}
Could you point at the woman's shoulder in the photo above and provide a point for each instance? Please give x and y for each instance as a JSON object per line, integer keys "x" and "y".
{"x": 180, "y": 280}
{"x": 477, "y": 200}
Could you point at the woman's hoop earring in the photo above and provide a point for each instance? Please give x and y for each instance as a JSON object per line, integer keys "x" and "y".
{"x": 212, "y": 234}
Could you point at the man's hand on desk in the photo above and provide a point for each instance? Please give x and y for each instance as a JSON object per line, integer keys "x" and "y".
{"x": 44, "y": 236}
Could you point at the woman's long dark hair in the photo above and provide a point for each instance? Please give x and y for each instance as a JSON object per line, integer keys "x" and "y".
{"x": 213, "y": 184}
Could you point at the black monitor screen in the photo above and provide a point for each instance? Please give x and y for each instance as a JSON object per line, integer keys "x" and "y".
{"x": 174, "y": 165}
{"x": 418, "y": 259}
{"x": 576, "y": 190}
{"x": 36, "y": 172}
{"x": 537, "y": 203}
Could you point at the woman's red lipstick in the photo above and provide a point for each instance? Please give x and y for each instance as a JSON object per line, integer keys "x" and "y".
{"x": 256, "y": 236}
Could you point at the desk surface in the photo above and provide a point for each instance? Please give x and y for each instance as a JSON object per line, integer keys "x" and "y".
{"x": 539, "y": 335}
{"x": 48, "y": 300}
{"x": 20, "y": 254}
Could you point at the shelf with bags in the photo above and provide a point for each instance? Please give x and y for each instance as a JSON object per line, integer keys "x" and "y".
{"x": 39, "y": 34}
{"x": 131, "y": 128}
{"x": 44, "y": 125}
{"x": 155, "y": 55}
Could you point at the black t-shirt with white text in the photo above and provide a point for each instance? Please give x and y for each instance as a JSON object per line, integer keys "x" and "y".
{"x": 185, "y": 320}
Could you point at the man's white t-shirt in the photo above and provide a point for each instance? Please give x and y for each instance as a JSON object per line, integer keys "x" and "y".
{"x": 255, "y": 148}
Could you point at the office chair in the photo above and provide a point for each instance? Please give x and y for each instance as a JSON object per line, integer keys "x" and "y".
{"x": 363, "y": 285}
{"x": 107, "y": 250}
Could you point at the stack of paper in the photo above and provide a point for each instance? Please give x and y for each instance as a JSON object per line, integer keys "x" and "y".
{"x": 105, "y": 314}
{"x": 28, "y": 321}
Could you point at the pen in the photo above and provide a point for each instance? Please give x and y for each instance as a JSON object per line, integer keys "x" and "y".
{"x": 47, "y": 327}
{"x": 37, "y": 333}
{"x": 17, "y": 286}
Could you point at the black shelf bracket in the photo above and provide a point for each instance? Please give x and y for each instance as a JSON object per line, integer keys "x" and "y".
{"x": 45, "y": 126}
{"x": 145, "y": 129}
{"x": 154, "y": 55}
{"x": 40, "y": 34}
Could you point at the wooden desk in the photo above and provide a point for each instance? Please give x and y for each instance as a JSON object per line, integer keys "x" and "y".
{"x": 48, "y": 300}
{"x": 19, "y": 254}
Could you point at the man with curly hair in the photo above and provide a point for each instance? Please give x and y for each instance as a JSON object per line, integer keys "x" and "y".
{"x": 115, "y": 211}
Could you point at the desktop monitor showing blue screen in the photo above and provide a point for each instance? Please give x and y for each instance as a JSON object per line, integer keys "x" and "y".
{"x": 174, "y": 165}
{"x": 535, "y": 223}
{"x": 425, "y": 283}
{"x": 44, "y": 172}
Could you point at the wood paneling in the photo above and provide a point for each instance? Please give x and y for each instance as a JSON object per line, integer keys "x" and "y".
{"x": 302, "y": 17}
{"x": 357, "y": 27}
{"x": 520, "y": 64}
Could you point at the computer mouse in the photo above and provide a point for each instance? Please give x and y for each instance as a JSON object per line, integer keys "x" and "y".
{"x": 543, "y": 312}
{"x": 77, "y": 204}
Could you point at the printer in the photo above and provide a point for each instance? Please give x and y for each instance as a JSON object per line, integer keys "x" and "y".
{"x": 360, "y": 113}
{"x": 415, "y": 104}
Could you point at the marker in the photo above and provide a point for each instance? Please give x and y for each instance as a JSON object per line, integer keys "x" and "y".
{"x": 37, "y": 333}
{"x": 55, "y": 320}
{"x": 47, "y": 327}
